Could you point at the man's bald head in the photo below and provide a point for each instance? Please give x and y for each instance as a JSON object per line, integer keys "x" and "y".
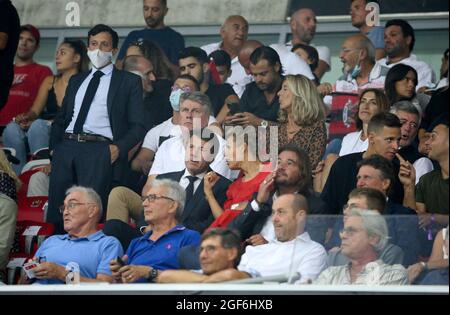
{"x": 303, "y": 25}
{"x": 234, "y": 32}
{"x": 360, "y": 41}
{"x": 246, "y": 51}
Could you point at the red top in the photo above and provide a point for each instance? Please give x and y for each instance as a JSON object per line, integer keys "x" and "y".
{"x": 239, "y": 191}
{"x": 24, "y": 89}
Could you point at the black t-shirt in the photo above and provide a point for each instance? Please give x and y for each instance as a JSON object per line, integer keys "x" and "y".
{"x": 157, "y": 108}
{"x": 9, "y": 24}
{"x": 437, "y": 106}
{"x": 218, "y": 94}
{"x": 254, "y": 101}
{"x": 342, "y": 180}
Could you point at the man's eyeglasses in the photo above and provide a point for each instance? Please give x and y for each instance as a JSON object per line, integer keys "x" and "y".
{"x": 72, "y": 205}
{"x": 153, "y": 197}
{"x": 350, "y": 231}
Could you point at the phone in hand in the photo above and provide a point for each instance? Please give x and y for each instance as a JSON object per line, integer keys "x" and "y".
{"x": 120, "y": 261}
{"x": 234, "y": 108}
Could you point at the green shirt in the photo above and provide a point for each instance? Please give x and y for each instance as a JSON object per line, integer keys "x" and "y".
{"x": 432, "y": 190}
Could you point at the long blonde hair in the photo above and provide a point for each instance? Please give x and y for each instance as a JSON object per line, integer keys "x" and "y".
{"x": 5, "y": 167}
{"x": 307, "y": 107}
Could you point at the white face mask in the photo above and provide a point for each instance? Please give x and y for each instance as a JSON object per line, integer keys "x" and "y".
{"x": 99, "y": 58}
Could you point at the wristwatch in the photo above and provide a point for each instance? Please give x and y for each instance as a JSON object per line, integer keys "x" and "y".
{"x": 153, "y": 274}
{"x": 264, "y": 123}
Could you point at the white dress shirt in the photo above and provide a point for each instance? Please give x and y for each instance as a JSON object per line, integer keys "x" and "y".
{"x": 238, "y": 79}
{"x": 97, "y": 121}
{"x": 301, "y": 255}
{"x": 165, "y": 129}
{"x": 184, "y": 182}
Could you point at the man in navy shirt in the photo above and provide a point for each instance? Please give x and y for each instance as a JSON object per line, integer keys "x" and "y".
{"x": 167, "y": 38}
{"x": 158, "y": 249}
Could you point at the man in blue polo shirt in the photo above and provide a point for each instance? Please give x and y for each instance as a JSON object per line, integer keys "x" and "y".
{"x": 84, "y": 245}
{"x": 158, "y": 248}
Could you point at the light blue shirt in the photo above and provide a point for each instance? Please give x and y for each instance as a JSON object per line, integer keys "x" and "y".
{"x": 92, "y": 253}
{"x": 376, "y": 36}
{"x": 97, "y": 121}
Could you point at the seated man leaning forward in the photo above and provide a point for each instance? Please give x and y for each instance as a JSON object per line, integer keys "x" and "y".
{"x": 220, "y": 253}
{"x": 158, "y": 249}
{"x": 364, "y": 235}
{"x": 293, "y": 251}
{"x": 84, "y": 245}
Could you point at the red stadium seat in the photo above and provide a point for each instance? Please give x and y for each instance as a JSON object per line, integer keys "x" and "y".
{"x": 343, "y": 107}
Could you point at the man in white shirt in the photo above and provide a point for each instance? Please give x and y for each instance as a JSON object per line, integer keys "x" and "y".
{"x": 364, "y": 235}
{"x": 303, "y": 26}
{"x": 293, "y": 251}
{"x": 166, "y": 130}
{"x": 195, "y": 108}
{"x": 399, "y": 40}
{"x": 234, "y": 32}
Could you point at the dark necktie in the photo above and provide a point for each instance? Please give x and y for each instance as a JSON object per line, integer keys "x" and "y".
{"x": 190, "y": 188}
{"x": 87, "y": 101}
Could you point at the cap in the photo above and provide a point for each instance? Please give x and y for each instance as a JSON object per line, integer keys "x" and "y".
{"x": 33, "y": 30}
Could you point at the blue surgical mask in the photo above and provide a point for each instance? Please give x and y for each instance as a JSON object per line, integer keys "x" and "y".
{"x": 175, "y": 99}
{"x": 356, "y": 71}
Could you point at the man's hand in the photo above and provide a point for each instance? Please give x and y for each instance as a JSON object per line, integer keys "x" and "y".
{"x": 132, "y": 273}
{"x": 407, "y": 172}
{"x": 424, "y": 220}
{"x": 256, "y": 240}
{"x": 47, "y": 169}
{"x": 114, "y": 153}
{"x": 325, "y": 89}
{"x": 115, "y": 266}
{"x": 245, "y": 119}
{"x": 266, "y": 188}
{"x": 47, "y": 270}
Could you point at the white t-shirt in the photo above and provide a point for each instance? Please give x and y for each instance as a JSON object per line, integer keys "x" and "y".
{"x": 352, "y": 143}
{"x": 238, "y": 79}
{"x": 292, "y": 63}
{"x": 323, "y": 51}
{"x": 301, "y": 255}
{"x": 427, "y": 77}
{"x": 422, "y": 167}
{"x": 153, "y": 138}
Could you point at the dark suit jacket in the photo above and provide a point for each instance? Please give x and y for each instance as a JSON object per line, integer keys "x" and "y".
{"x": 251, "y": 222}
{"x": 125, "y": 111}
{"x": 197, "y": 214}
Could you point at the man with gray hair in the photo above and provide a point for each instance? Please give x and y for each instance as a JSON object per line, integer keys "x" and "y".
{"x": 410, "y": 118}
{"x": 195, "y": 109}
{"x": 364, "y": 236}
{"x": 84, "y": 245}
{"x": 157, "y": 249}
{"x": 358, "y": 58}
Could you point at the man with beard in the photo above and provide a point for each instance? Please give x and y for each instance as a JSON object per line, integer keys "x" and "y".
{"x": 260, "y": 103}
{"x": 167, "y": 38}
{"x": 399, "y": 40}
{"x": 303, "y": 26}
{"x": 293, "y": 176}
{"x": 28, "y": 75}
{"x": 194, "y": 61}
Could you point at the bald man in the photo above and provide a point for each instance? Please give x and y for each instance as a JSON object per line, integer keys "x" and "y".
{"x": 303, "y": 26}
{"x": 234, "y": 32}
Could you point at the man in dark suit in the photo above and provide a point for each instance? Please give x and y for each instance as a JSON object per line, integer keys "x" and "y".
{"x": 99, "y": 122}
{"x": 197, "y": 214}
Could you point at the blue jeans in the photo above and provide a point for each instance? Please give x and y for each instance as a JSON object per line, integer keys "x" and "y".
{"x": 38, "y": 136}
{"x": 334, "y": 147}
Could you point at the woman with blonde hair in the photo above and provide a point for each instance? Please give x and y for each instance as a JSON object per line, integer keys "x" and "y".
{"x": 9, "y": 184}
{"x": 302, "y": 117}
